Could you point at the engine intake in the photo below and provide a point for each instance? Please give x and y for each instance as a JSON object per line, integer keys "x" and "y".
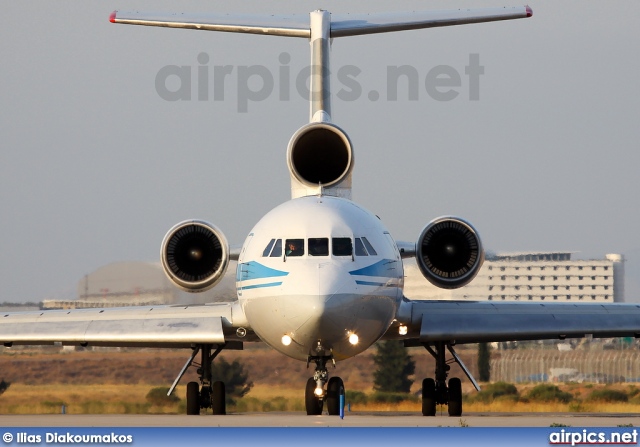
{"x": 195, "y": 255}
{"x": 449, "y": 252}
{"x": 320, "y": 154}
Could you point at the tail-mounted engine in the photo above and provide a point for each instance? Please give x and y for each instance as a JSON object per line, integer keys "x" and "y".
{"x": 320, "y": 159}
{"x": 449, "y": 252}
{"x": 195, "y": 255}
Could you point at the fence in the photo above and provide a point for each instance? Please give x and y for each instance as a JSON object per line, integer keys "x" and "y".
{"x": 532, "y": 365}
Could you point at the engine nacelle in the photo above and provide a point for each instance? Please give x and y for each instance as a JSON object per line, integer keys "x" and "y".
{"x": 449, "y": 252}
{"x": 195, "y": 255}
{"x": 320, "y": 155}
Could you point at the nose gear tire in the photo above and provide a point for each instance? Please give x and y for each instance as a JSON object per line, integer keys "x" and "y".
{"x": 312, "y": 403}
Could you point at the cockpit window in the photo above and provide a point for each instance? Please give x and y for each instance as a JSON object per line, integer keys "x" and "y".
{"x": 277, "y": 249}
{"x": 294, "y": 247}
{"x": 370, "y": 249}
{"x": 341, "y": 246}
{"x": 267, "y": 250}
{"x": 360, "y": 250}
{"x": 319, "y": 246}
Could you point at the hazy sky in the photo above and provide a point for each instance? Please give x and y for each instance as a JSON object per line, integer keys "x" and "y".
{"x": 95, "y": 166}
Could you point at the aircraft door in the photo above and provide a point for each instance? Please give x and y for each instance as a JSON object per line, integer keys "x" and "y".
{"x": 398, "y": 271}
{"x": 241, "y": 268}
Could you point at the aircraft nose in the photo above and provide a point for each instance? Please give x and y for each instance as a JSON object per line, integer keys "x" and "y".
{"x": 329, "y": 310}
{"x": 332, "y": 280}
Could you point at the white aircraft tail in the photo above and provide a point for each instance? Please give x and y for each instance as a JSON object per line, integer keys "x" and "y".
{"x": 320, "y": 155}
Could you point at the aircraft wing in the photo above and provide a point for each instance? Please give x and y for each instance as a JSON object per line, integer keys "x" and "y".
{"x": 168, "y": 326}
{"x": 488, "y": 321}
{"x": 297, "y": 25}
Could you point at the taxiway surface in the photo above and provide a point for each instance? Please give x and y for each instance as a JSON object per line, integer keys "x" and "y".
{"x": 276, "y": 419}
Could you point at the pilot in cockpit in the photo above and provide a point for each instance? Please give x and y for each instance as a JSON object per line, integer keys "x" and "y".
{"x": 294, "y": 248}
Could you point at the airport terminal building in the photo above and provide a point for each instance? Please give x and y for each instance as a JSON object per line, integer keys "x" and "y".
{"x": 532, "y": 276}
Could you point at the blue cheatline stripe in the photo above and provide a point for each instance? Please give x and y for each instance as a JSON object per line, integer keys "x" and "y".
{"x": 254, "y": 270}
{"x": 380, "y": 268}
{"x": 369, "y": 283}
{"x": 258, "y": 286}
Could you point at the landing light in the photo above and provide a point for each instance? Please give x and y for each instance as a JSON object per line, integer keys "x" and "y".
{"x": 353, "y": 339}
{"x": 402, "y": 329}
{"x": 286, "y": 340}
{"x": 318, "y": 392}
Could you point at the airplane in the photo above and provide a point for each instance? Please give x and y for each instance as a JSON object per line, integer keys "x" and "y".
{"x": 319, "y": 278}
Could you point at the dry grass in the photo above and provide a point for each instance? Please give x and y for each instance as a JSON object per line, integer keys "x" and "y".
{"x": 552, "y": 407}
{"x": 130, "y": 399}
{"x": 509, "y": 407}
{"x": 118, "y": 382}
{"x": 265, "y": 392}
{"x": 81, "y": 399}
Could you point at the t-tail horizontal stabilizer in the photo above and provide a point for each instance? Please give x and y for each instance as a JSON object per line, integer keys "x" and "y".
{"x": 319, "y": 141}
{"x": 298, "y": 25}
{"x": 319, "y": 27}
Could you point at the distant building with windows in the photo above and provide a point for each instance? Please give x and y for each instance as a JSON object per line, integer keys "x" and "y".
{"x": 532, "y": 276}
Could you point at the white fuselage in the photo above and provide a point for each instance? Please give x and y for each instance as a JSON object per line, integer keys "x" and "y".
{"x": 344, "y": 277}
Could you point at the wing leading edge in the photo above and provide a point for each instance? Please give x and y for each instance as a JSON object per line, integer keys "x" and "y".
{"x": 154, "y": 326}
{"x": 472, "y": 322}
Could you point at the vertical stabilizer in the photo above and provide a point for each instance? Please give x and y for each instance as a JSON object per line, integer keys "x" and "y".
{"x": 319, "y": 89}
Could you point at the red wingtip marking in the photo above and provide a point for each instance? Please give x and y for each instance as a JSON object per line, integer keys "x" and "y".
{"x": 112, "y": 17}
{"x": 529, "y": 11}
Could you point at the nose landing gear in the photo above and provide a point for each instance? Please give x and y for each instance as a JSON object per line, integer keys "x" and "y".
{"x": 315, "y": 394}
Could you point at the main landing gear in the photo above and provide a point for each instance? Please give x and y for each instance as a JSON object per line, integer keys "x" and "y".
{"x": 206, "y": 394}
{"x": 315, "y": 394}
{"x": 436, "y": 391}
